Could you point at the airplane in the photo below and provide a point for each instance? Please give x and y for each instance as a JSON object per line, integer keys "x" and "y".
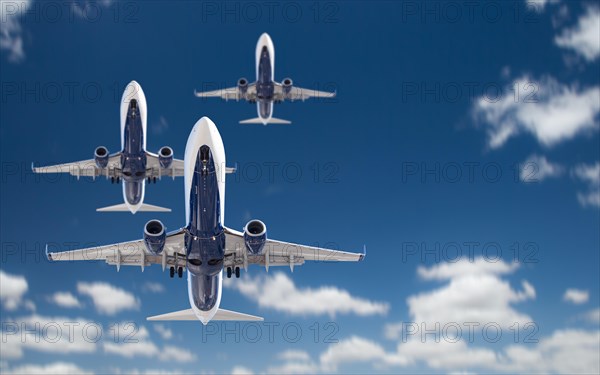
{"x": 265, "y": 90}
{"x": 133, "y": 164}
{"x": 205, "y": 247}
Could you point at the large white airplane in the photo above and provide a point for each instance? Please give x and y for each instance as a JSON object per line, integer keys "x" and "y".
{"x": 205, "y": 247}
{"x": 265, "y": 90}
{"x": 133, "y": 164}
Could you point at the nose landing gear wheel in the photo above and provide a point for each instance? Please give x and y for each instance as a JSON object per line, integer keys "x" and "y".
{"x": 229, "y": 272}
{"x": 180, "y": 272}
{"x": 172, "y": 272}
{"x": 237, "y": 272}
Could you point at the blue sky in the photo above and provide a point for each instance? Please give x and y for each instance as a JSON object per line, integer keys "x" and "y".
{"x": 462, "y": 149}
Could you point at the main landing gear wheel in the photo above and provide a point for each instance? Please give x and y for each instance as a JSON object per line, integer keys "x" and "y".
{"x": 112, "y": 180}
{"x": 154, "y": 179}
{"x": 180, "y": 272}
{"x": 172, "y": 272}
{"x": 229, "y": 272}
{"x": 237, "y": 272}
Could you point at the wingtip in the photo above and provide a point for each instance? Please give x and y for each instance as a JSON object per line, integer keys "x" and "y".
{"x": 48, "y": 255}
{"x": 364, "y": 254}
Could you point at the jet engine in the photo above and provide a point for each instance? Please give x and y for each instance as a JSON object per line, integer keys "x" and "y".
{"x": 165, "y": 156}
{"x": 255, "y": 236}
{"x": 101, "y": 156}
{"x": 155, "y": 236}
{"x": 287, "y": 84}
{"x": 243, "y": 85}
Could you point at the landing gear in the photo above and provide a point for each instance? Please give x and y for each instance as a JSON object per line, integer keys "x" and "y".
{"x": 172, "y": 272}
{"x": 112, "y": 180}
{"x": 154, "y": 179}
{"x": 237, "y": 272}
{"x": 229, "y": 272}
{"x": 180, "y": 272}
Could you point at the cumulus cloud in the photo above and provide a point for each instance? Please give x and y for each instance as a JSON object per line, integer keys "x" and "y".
{"x": 474, "y": 293}
{"x": 279, "y": 292}
{"x": 241, "y": 370}
{"x": 550, "y": 111}
{"x": 590, "y": 175}
{"x": 56, "y": 368}
{"x": 583, "y": 38}
{"x": 576, "y": 296}
{"x": 48, "y": 334}
{"x": 593, "y": 316}
{"x": 140, "y": 345}
{"x": 163, "y": 331}
{"x": 12, "y": 290}
{"x": 65, "y": 299}
{"x": 11, "y": 38}
{"x": 108, "y": 299}
{"x": 537, "y": 168}
{"x": 153, "y": 287}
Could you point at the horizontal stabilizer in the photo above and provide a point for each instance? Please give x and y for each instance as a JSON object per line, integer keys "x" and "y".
{"x": 221, "y": 314}
{"x": 123, "y": 207}
{"x": 259, "y": 120}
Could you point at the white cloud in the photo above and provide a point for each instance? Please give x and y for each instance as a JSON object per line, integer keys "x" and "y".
{"x": 589, "y": 174}
{"x": 163, "y": 331}
{"x": 356, "y": 350}
{"x": 11, "y": 38}
{"x": 550, "y": 111}
{"x": 65, "y": 299}
{"x": 12, "y": 290}
{"x": 474, "y": 293}
{"x": 48, "y": 334}
{"x": 593, "y": 316}
{"x": 392, "y": 331}
{"x": 539, "y": 5}
{"x": 241, "y": 370}
{"x": 537, "y": 168}
{"x": 108, "y": 299}
{"x": 576, "y": 296}
{"x": 140, "y": 345}
{"x": 56, "y": 368}
{"x": 279, "y": 292}
{"x": 584, "y": 38}
{"x": 153, "y": 287}
{"x": 294, "y": 355}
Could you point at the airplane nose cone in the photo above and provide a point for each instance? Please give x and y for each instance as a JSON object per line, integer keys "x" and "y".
{"x": 265, "y": 40}
{"x": 205, "y": 122}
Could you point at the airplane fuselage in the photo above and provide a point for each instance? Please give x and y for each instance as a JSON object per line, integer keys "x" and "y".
{"x": 205, "y": 237}
{"x": 265, "y": 76}
{"x": 133, "y": 145}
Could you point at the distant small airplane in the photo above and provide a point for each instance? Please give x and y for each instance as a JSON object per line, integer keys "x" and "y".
{"x": 205, "y": 247}
{"x": 133, "y": 164}
{"x": 265, "y": 91}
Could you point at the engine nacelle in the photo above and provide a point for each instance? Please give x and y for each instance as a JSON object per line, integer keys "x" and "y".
{"x": 101, "y": 157}
{"x": 287, "y": 84}
{"x": 255, "y": 236}
{"x": 243, "y": 85}
{"x": 155, "y": 236}
{"x": 165, "y": 156}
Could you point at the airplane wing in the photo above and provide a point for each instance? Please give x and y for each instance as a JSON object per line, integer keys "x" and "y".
{"x": 154, "y": 169}
{"x": 132, "y": 253}
{"x": 85, "y": 168}
{"x": 278, "y": 253}
{"x": 232, "y": 93}
{"x": 298, "y": 93}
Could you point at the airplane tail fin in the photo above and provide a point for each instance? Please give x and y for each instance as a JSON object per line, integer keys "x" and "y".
{"x": 272, "y": 120}
{"x": 221, "y": 314}
{"x": 123, "y": 207}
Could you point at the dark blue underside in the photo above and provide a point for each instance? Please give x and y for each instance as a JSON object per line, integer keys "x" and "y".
{"x": 205, "y": 238}
{"x": 133, "y": 155}
{"x": 265, "y": 87}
